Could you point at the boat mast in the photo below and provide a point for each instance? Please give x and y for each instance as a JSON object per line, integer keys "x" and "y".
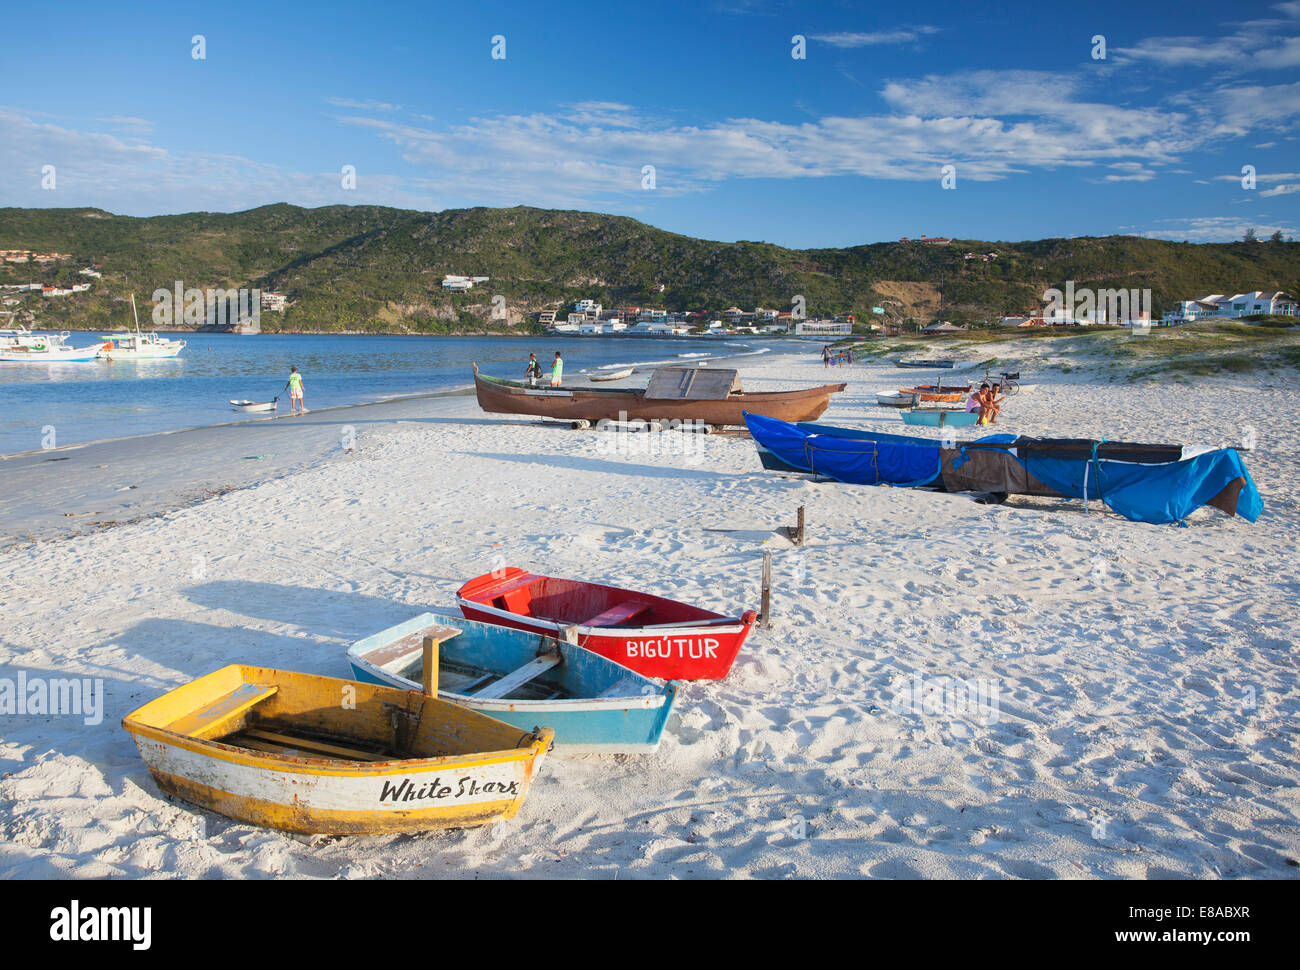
{"x": 136, "y": 315}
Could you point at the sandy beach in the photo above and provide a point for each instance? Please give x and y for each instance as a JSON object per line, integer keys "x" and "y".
{"x": 1141, "y": 705}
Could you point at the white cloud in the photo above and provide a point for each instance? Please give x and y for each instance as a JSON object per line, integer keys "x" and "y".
{"x": 1213, "y": 229}
{"x": 1284, "y": 189}
{"x": 1255, "y": 44}
{"x": 362, "y": 105}
{"x": 880, "y": 38}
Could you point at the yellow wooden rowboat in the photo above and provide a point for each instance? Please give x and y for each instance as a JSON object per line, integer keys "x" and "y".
{"x": 318, "y": 755}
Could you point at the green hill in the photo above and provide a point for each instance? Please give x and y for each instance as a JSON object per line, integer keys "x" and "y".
{"x": 378, "y": 269}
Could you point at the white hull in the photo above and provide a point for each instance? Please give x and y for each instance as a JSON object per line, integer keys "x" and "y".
{"x": 251, "y": 406}
{"x": 617, "y": 375}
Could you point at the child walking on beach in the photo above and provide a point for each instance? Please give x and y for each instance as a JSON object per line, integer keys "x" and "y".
{"x": 557, "y": 370}
{"x": 294, "y": 387}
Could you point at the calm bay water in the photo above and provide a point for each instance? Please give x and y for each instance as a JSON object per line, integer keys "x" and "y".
{"x": 111, "y": 399}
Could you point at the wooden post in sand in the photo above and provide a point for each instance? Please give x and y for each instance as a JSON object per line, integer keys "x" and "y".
{"x": 798, "y": 531}
{"x": 766, "y": 604}
{"x": 430, "y": 667}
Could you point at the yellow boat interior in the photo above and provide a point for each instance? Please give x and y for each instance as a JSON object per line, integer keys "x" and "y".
{"x": 309, "y": 717}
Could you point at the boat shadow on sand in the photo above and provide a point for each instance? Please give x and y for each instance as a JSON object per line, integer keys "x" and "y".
{"x": 337, "y": 615}
{"x": 575, "y": 463}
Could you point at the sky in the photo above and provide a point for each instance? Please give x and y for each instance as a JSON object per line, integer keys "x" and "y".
{"x": 801, "y": 124}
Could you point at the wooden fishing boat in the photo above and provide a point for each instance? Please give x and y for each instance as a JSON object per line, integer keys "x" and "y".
{"x": 890, "y": 399}
{"x": 594, "y": 705}
{"x": 617, "y": 375}
{"x": 942, "y": 364}
{"x": 945, "y": 395}
{"x": 708, "y": 396}
{"x": 654, "y": 636}
{"x": 314, "y": 754}
{"x": 940, "y": 417}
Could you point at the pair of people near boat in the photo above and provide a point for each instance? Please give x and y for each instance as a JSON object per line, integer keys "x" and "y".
{"x": 987, "y": 402}
{"x": 534, "y": 371}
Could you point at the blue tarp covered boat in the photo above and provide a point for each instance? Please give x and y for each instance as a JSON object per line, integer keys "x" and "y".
{"x": 1145, "y": 483}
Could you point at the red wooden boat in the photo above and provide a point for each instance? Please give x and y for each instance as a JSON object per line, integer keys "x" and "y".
{"x": 669, "y": 639}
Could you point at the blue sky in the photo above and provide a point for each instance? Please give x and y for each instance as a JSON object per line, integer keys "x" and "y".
{"x": 843, "y": 146}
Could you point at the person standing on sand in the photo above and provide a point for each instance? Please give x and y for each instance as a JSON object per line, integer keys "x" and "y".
{"x": 294, "y": 387}
{"x": 534, "y": 370}
{"x": 557, "y": 370}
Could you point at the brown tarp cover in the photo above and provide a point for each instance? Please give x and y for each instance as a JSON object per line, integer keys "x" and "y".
{"x": 989, "y": 471}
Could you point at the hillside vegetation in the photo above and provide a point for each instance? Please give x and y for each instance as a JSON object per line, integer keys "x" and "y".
{"x": 376, "y": 269}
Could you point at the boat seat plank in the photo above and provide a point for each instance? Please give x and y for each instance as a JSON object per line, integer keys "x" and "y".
{"x": 208, "y": 721}
{"x": 627, "y": 687}
{"x": 619, "y": 613}
{"x": 461, "y": 683}
{"x": 314, "y": 746}
{"x": 400, "y": 654}
{"x": 517, "y": 678}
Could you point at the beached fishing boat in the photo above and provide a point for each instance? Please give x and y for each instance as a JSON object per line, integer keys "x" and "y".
{"x": 1145, "y": 483}
{"x": 704, "y": 396}
{"x": 899, "y": 399}
{"x": 944, "y": 364}
{"x": 940, "y": 417}
{"x": 617, "y": 375}
{"x": 594, "y": 705}
{"x": 318, "y": 755}
{"x": 654, "y": 636}
{"x": 933, "y": 395}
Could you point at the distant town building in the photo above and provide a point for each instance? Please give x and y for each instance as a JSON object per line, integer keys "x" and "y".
{"x": 824, "y": 328}
{"x": 274, "y": 301}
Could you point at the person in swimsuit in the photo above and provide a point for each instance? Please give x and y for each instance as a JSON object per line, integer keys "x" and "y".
{"x": 975, "y": 402}
{"x": 294, "y": 387}
{"x": 994, "y": 403}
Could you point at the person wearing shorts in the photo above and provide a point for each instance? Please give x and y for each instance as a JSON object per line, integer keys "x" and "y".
{"x": 557, "y": 370}
{"x": 294, "y": 387}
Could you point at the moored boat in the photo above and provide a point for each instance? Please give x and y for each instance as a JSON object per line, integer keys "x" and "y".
{"x": 312, "y": 754}
{"x": 653, "y": 635}
{"x": 707, "y": 396}
{"x": 21, "y": 346}
{"x": 139, "y": 346}
{"x": 594, "y": 705}
{"x": 252, "y": 406}
{"x": 617, "y": 375}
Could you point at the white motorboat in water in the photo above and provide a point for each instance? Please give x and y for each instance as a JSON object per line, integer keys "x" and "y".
{"x": 139, "y": 346}
{"x": 21, "y": 346}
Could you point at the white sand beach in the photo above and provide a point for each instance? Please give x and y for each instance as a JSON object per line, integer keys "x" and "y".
{"x": 1143, "y": 714}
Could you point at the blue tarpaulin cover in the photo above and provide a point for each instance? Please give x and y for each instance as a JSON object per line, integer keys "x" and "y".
{"x": 1160, "y": 492}
{"x": 857, "y": 461}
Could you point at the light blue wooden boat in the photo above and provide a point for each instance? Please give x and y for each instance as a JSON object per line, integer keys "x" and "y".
{"x": 941, "y": 418}
{"x": 594, "y": 705}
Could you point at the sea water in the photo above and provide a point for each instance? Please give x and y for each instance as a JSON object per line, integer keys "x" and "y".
{"x": 52, "y": 405}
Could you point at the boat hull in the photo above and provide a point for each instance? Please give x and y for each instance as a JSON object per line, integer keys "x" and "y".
{"x": 941, "y": 418}
{"x": 612, "y": 404}
{"x": 630, "y": 721}
{"x": 471, "y": 769}
{"x": 684, "y": 642}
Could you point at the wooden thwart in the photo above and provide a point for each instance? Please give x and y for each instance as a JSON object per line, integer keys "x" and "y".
{"x": 517, "y": 678}
{"x": 619, "y": 613}
{"x": 312, "y": 746}
{"x": 208, "y": 721}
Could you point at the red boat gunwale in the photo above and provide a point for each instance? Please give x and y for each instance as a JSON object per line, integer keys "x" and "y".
{"x": 706, "y": 643}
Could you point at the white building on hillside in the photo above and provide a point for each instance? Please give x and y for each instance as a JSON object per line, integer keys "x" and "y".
{"x": 824, "y": 328}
